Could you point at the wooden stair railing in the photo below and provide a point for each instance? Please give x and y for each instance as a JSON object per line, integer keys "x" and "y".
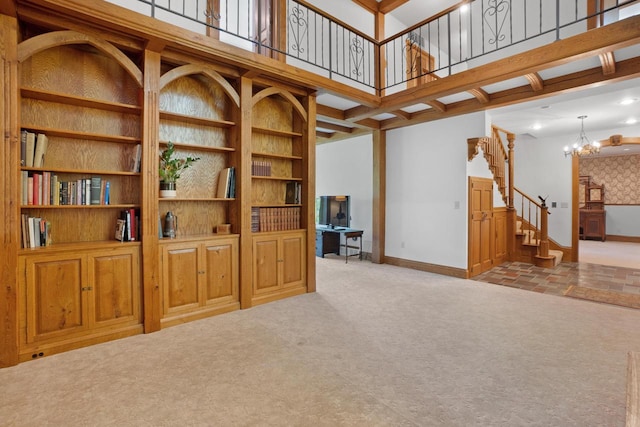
{"x": 535, "y": 228}
{"x": 533, "y": 215}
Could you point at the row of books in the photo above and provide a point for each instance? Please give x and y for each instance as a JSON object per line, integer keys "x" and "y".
{"x": 275, "y": 219}
{"x": 44, "y": 189}
{"x": 128, "y": 226}
{"x": 260, "y": 168}
{"x": 226, "y": 183}
{"x": 36, "y": 231}
{"x": 293, "y": 193}
{"x": 32, "y": 148}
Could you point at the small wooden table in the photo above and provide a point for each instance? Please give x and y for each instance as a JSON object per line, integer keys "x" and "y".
{"x": 328, "y": 241}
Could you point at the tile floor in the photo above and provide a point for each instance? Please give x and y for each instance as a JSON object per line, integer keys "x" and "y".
{"x": 556, "y": 280}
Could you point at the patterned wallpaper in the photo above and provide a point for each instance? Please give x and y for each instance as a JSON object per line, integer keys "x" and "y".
{"x": 620, "y": 176}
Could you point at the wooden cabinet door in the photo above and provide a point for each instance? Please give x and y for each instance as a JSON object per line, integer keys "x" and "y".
{"x": 114, "y": 276}
{"x": 293, "y": 260}
{"x": 56, "y": 300}
{"x": 180, "y": 275}
{"x": 265, "y": 264}
{"x": 221, "y": 272}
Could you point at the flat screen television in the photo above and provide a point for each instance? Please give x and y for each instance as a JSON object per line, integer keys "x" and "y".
{"x": 333, "y": 211}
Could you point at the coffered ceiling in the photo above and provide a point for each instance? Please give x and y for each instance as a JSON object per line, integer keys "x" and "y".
{"x": 548, "y": 87}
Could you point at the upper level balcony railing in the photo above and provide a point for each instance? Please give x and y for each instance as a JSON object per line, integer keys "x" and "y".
{"x": 469, "y": 34}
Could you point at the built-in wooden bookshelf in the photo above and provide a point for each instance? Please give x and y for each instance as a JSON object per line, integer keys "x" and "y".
{"x": 84, "y": 287}
{"x": 108, "y": 108}
{"x": 199, "y": 268}
{"x": 279, "y": 241}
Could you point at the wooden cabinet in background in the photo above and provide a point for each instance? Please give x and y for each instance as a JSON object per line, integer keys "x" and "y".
{"x": 74, "y": 297}
{"x": 593, "y": 224}
{"x": 592, "y": 213}
{"x": 278, "y": 265}
{"x": 199, "y": 278}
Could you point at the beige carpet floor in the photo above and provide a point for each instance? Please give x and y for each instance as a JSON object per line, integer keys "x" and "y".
{"x": 377, "y": 345}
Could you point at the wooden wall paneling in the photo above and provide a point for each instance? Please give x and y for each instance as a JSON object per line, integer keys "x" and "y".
{"x": 149, "y": 168}
{"x": 379, "y": 196}
{"x": 308, "y": 173}
{"x": 246, "y": 238}
{"x": 9, "y": 212}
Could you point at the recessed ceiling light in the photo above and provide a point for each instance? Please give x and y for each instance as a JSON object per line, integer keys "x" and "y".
{"x": 536, "y": 126}
{"x": 628, "y": 101}
{"x": 631, "y": 121}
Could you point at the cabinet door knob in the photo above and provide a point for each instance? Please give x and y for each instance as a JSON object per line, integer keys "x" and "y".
{"x": 86, "y": 288}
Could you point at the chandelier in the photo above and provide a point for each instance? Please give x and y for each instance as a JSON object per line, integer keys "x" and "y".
{"x": 582, "y": 146}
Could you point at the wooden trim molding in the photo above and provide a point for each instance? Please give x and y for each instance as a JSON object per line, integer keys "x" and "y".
{"x": 608, "y": 62}
{"x": 60, "y": 38}
{"x": 424, "y": 266}
{"x": 189, "y": 69}
{"x": 630, "y": 239}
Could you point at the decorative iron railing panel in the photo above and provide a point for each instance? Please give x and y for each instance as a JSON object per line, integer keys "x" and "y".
{"x": 453, "y": 41}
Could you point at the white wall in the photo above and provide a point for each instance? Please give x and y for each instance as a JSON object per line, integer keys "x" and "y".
{"x": 346, "y": 167}
{"x": 426, "y": 211}
{"x": 541, "y": 169}
{"x": 349, "y": 12}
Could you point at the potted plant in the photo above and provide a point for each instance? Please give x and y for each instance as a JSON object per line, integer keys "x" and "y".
{"x": 170, "y": 168}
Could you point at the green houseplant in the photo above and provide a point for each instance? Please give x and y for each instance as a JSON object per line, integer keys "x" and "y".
{"x": 170, "y": 167}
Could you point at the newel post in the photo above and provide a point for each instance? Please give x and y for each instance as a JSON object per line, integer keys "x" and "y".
{"x": 511, "y": 212}
{"x": 544, "y": 232}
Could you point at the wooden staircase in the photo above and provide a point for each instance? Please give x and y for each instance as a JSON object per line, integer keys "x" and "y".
{"x": 527, "y": 230}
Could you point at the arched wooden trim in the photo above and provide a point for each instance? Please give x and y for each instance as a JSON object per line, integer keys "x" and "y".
{"x": 535, "y": 81}
{"x": 30, "y": 47}
{"x": 437, "y": 105}
{"x": 185, "y": 70}
{"x": 283, "y": 93}
{"x": 608, "y": 62}
{"x": 480, "y": 95}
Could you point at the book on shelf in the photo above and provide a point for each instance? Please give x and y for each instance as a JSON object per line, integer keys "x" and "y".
{"x": 135, "y": 160}
{"x": 292, "y": 193}
{"x": 42, "y": 141}
{"x": 24, "y": 183}
{"x": 224, "y": 183}
{"x": 129, "y": 221}
{"x": 255, "y": 219}
{"x": 261, "y": 168}
{"x": 23, "y": 147}
{"x": 36, "y": 231}
{"x": 30, "y": 148}
{"x": 231, "y": 190}
{"x": 275, "y": 219}
{"x": 95, "y": 190}
{"x": 120, "y": 228}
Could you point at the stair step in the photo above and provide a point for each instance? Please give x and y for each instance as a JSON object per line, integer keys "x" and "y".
{"x": 557, "y": 255}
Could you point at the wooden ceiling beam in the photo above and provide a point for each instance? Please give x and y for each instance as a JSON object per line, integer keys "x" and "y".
{"x": 386, "y": 6}
{"x": 333, "y": 113}
{"x": 342, "y": 136}
{"x": 322, "y": 134}
{"x": 370, "y": 5}
{"x": 334, "y": 127}
{"x": 593, "y": 77}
